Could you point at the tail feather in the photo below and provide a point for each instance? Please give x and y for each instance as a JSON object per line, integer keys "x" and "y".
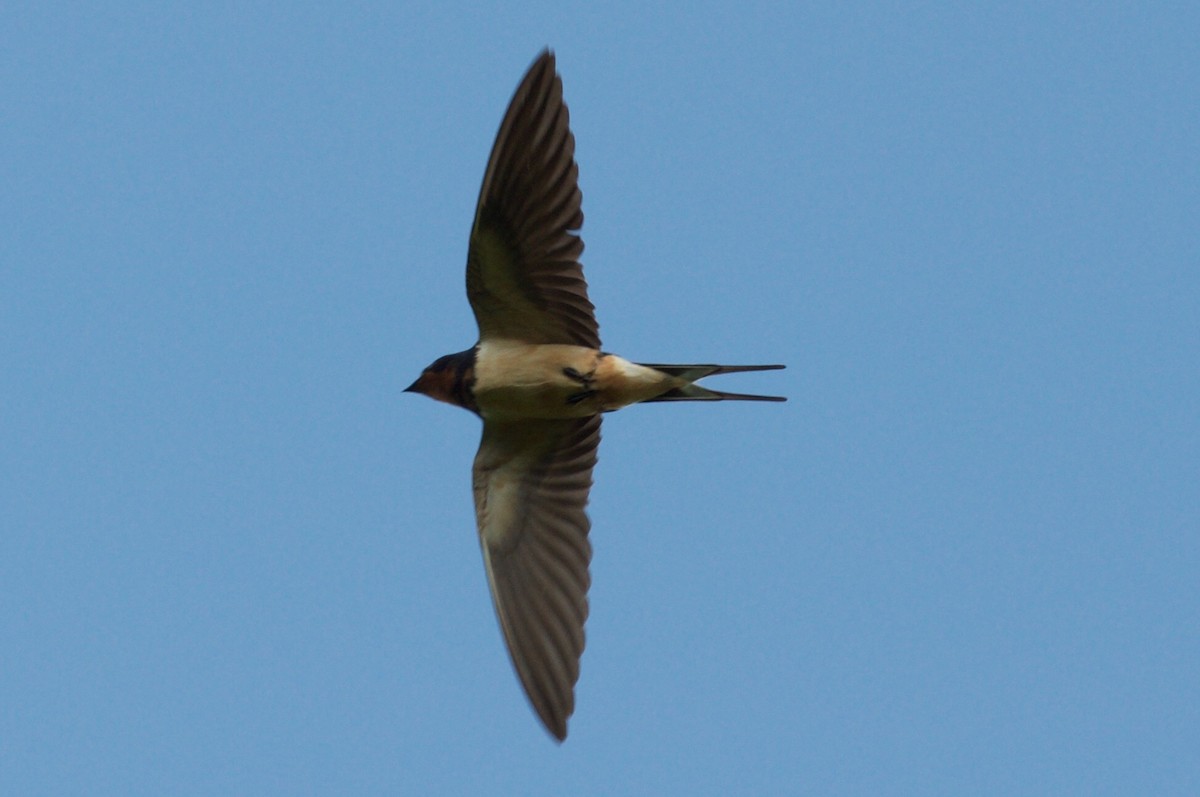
{"x": 693, "y": 372}
{"x": 694, "y": 392}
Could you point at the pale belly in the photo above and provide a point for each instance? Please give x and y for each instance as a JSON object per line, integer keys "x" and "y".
{"x": 519, "y": 380}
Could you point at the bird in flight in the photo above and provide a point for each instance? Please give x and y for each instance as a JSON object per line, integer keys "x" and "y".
{"x": 539, "y": 380}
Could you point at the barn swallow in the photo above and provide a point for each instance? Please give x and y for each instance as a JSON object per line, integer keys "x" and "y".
{"x": 539, "y": 380}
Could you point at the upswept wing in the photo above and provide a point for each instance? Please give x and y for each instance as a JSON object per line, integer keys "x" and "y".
{"x": 524, "y": 280}
{"x": 531, "y": 481}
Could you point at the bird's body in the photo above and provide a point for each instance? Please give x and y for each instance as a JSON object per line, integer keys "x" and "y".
{"x": 515, "y": 380}
{"x": 540, "y": 381}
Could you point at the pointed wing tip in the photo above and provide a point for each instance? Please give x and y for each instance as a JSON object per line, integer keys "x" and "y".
{"x": 557, "y": 730}
{"x": 545, "y": 59}
{"x": 553, "y": 716}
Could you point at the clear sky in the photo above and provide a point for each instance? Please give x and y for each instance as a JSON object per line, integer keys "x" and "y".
{"x": 963, "y": 559}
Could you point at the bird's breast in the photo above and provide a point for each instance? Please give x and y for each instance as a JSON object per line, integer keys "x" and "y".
{"x": 523, "y": 380}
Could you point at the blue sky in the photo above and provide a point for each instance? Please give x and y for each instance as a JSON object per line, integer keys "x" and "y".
{"x": 236, "y": 559}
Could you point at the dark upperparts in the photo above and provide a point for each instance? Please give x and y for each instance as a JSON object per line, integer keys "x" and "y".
{"x": 450, "y": 379}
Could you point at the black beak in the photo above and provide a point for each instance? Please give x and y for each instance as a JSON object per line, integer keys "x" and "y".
{"x": 412, "y": 388}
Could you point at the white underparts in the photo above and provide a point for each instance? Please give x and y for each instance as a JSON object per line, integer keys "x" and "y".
{"x": 522, "y": 380}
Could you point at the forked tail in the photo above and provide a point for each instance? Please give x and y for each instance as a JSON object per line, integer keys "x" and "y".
{"x": 693, "y": 392}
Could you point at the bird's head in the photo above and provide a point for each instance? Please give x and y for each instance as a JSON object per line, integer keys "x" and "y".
{"x": 449, "y": 379}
